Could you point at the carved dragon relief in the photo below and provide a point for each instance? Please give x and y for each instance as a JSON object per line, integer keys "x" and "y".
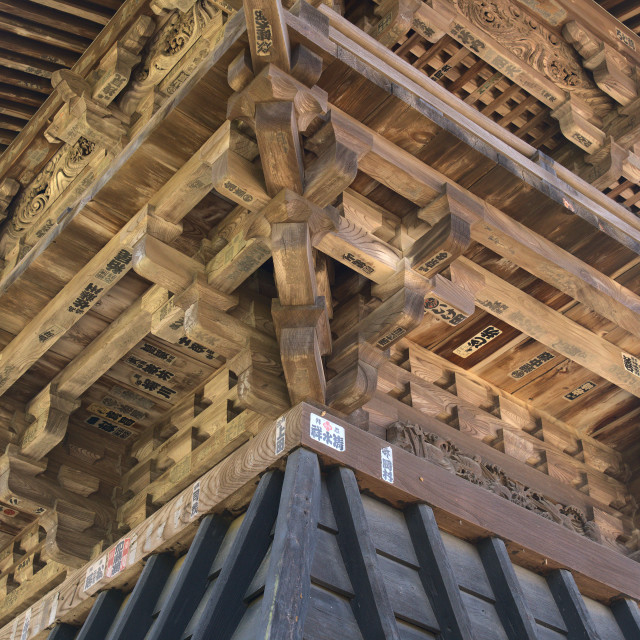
{"x": 427, "y": 445}
{"x": 535, "y": 45}
{"x": 167, "y": 47}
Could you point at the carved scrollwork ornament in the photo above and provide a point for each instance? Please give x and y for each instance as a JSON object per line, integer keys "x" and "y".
{"x": 536, "y": 45}
{"x": 432, "y": 447}
{"x": 56, "y": 175}
{"x": 166, "y": 48}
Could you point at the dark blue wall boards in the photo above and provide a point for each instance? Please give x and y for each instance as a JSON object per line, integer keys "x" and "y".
{"x": 313, "y": 558}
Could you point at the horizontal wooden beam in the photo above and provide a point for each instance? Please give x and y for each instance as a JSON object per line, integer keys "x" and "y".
{"x": 545, "y": 325}
{"x": 539, "y": 256}
{"x": 470, "y": 512}
{"x": 410, "y": 85}
{"x": 92, "y": 282}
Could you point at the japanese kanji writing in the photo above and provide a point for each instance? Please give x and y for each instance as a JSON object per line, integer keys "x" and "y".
{"x": 581, "y": 390}
{"x": 109, "y": 403}
{"x": 111, "y": 414}
{"x": 532, "y": 365}
{"x": 280, "y": 435}
{"x": 117, "y": 559}
{"x": 631, "y": 364}
{"x": 467, "y": 38}
{"x": 115, "y": 266}
{"x": 109, "y": 427}
{"x": 131, "y": 396}
{"x": 86, "y": 297}
{"x": 358, "y": 263}
{"x": 239, "y": 191}
{"x": 150, "y": 368}
{"x": 209, "y": 354}
{"x": 386, "y": 464}
{"x": 432, "y": 262}
{"x": 158, "y": 353}
{"x": 392, "y": 336}
{"x": 95, "y": 572}
{"x": 478, "y": 341}
{"x": 444, "y": 312}
{"x": 264, "y": 40}
{"x": 49, "y": 333}
{"x": 155, "y": 387}
{"x": 195, "y": 499}
{"x": 326, "y": 432}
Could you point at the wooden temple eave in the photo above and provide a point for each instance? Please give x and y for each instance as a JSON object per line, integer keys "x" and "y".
{"x": 264, "y": 223}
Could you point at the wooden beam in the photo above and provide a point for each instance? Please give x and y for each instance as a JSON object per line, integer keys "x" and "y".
{"x": 469, "y": 512}
{"x": 395, "y": 75}
{"x": 436, "y": 574}
{"x": 51, "y": 408}
{"x": 549, "y": 327}
{"x": 571, "y": 606}
{"x": 539, "y": 256}
{"x": 194, "y": 179}
{"x": 514, "y": 613}
{"x": 101, "y": 273}
{"x": 224, "y": 606}
{"x": 279, "y": 144}
{"x": 173, "y": 270}
{"x": 268, "y": 36}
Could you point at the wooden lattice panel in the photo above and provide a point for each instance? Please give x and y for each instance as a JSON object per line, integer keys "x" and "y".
{"x": 475, "y": 82}
{"x": 626, "y": 193}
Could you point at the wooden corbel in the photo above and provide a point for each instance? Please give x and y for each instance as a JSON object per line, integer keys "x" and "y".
{"x": 611, "y": 70}
{"x": 574, "y": 117}
{"x": 114, "y": 70}
{"x": 158, "y": 6}
{"x": 260, "y": 387}
{"x": 48, "y": 414}
{"x": 355, "y": 375}
{"x": 8, "y": 189}
{"x": 338, "y": 149}
{"x": 303, "y": 334}
{"x": 433, "y": 19}
{"x": 267, "y": 33}
{"x": 222, "y": 332}
{"x": 295, "y": 223}
{"x": 274, "y": 85}
{"x": 81, "y": 116}
{"x": 610, "y": 164}
{"x": 396, "y": 18}
{"x": 444, "y": 301}
{"x": 71, "y": 534}
{"x": 448, "y": 238}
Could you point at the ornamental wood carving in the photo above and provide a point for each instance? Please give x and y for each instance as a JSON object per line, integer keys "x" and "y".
{"x": 535, "y": 45}
{"x": 54, "y": 178}
{"x": 167, "y": 47}
{"x": 427, "y": 445}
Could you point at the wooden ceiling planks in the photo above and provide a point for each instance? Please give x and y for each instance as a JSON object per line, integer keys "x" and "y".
{"x": 36, "y": 39}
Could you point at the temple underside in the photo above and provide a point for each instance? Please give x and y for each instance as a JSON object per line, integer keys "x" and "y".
{"x": 319, "y": 320}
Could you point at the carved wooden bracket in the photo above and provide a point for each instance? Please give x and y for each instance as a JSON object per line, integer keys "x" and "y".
{"x": 8, "y": 189}
{"x": 611, "y": 70}
{"x": 574, "y": 118}
{"x": 49, "y": 412}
